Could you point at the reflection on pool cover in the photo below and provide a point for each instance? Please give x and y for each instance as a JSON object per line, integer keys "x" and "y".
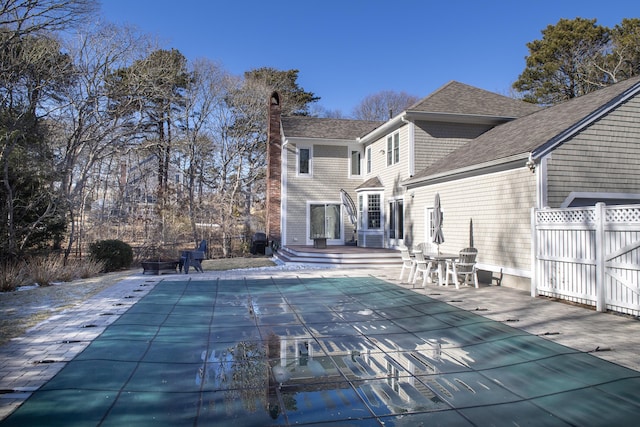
{"x": 349, "y": 351}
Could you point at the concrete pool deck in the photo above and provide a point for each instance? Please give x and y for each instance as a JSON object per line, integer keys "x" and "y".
{"x": 30, "y": 361}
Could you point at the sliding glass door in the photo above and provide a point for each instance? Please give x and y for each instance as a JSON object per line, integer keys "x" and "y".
{"x": 325, "y": 221}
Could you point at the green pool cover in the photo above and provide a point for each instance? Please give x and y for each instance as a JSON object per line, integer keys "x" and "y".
{"x": 332, "y": 351}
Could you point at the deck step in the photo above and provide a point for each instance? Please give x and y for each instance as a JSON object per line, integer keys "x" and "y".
{"x": 352, "y": 258}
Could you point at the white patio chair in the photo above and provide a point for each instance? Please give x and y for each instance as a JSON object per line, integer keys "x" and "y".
{"x": 463, "y": 269}
{"x": 423, "y": 266}
{"x": 407, "y": 264}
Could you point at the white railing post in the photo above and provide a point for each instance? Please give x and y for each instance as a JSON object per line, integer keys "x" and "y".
{"x": 534, "y": 254}
{"x": 600, "y": 254}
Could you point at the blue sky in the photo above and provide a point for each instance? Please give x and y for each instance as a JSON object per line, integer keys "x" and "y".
{"x": 346, "y": 50}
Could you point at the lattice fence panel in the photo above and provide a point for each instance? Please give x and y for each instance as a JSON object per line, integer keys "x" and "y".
{"x": 622, "y": 214}
{"x": 565, "y": 216}
{"x": 566, "y": 263}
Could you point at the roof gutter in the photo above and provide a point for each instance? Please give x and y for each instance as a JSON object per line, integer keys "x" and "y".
{"x": 311, "y": 141}
{"x": 383, "y": 130}
{"x": 457, "y": 118}
{"x": 411, "y": 116}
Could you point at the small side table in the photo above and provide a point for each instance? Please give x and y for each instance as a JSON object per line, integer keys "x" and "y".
{"x": 320, "y": 242}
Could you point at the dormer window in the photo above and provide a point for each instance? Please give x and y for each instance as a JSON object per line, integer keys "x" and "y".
{"x": 393, "y": 149}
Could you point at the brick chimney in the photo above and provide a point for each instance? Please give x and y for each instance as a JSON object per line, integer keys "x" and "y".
{"x": 274, "y": 154}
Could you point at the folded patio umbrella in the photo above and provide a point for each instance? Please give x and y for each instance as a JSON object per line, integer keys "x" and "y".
{"x": 438, "y": 236}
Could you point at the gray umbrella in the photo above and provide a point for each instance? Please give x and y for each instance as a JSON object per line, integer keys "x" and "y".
{"x": 438, "y": 236}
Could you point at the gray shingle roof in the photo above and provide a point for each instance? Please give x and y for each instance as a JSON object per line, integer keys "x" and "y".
{"x": 314, "y": 127}
{"x": 452, "y": 98}
{"x": 371, "y": 183}
{"x": 526, "y": 134}
{"x": 459, "y": 98}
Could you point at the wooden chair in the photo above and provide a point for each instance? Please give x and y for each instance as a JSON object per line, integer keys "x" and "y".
{"x": 407, "y": 264}
{"x": 422, "y": 266}
{"x": 193, "y": 258}
{"x": 463, "y": 269}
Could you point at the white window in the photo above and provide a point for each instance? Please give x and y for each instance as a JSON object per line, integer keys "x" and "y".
{"x": 355, "y": 163}
{"x": 393, "y": 149}
{"x": 370, "y": 211}
{"x": 368, "y": 159}
{"x": 304, "y": 162}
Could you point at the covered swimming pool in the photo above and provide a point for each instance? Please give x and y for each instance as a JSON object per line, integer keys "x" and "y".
{"x": 323, "y": 351}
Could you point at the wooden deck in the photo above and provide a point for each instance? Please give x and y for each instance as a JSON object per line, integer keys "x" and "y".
{"x": 344, "y": 256}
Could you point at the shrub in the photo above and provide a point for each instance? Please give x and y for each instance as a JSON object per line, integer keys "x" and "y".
{"x": 84, "y": 268}
{"x": 115, "y": 254}
{"x": 12, "y": 275}
{"x": 44, "y": 270}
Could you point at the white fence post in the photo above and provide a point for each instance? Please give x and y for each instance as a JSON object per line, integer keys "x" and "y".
{"x": 534, "y": 254}
{"x": 600, "y": 257}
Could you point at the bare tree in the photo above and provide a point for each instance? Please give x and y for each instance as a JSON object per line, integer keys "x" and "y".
{"x": 89, "y": 131}
{"x": 24, "y": 17}
{"x": 319, "y": 111}
{"x": 205, "y": 97}
{"x": 383, "y": 105}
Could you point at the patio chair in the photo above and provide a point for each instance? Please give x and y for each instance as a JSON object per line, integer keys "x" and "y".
{"x": 407, "y": 264}
{"x": 422, "y": 247}
{"x": 422, "y": 266}
{"x": 193, "y": 258}
{"x": 463, "y": 269}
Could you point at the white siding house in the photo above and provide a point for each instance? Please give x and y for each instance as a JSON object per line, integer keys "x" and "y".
{"x": 490, "y": 158}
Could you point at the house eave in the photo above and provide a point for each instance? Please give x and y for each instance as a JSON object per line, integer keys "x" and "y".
{"x": 390, "y": 126}
{"x": 456, "y": 118}
{"x": 498, "y": 165}
{"x": 546, "y": 148}
{"x": 317, "y": 141}
{"x": 413, "y": 116}
{"x": 365, "y": 189}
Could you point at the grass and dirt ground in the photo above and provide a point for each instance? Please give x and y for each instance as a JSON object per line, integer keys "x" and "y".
{"x": 24, "y": 308}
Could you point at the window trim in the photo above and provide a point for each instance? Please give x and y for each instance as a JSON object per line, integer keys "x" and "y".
{"x": 393, "y": 148}
{"x": 364, "y": 211}
{"x": 352, "y": 150}
{"x": 310, "y": 161}
{"x": 340, "y": 222}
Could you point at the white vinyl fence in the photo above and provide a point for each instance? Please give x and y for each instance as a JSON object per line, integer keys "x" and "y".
{"x": 588, "y": 255}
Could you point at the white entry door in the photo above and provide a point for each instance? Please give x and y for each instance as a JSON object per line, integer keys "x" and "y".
{"x": 429, "y": 229}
